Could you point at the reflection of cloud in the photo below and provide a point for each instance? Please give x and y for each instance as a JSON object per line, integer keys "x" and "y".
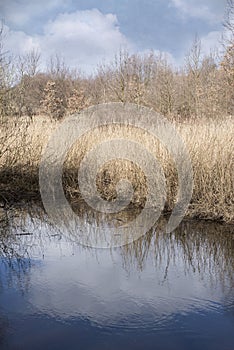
{"x": 98, "y": 288}
{"x": 82, "y": 38}
{"x": 75, "y": 282}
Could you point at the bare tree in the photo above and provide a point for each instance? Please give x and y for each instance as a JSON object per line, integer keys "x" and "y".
{"x": 6, "y": 75}
{"x": 28, "y": 64}
{"x": 57, "y": 68}
{"x": 26, "y": 68}
{"x": 229, "y": 19}
{"x": 227, "y": 63}
{"x": 193, "y": 63}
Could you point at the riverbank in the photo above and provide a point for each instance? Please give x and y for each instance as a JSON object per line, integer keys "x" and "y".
{"x": 209, "y": 143}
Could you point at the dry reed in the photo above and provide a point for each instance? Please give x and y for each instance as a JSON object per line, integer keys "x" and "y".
{"x": 210, "y": 145}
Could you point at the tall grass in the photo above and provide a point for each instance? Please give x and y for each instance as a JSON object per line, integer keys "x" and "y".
{"x": 209, "y": 142}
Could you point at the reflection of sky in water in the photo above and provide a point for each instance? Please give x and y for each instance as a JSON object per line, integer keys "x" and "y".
{"x": 102, "y": 290}
{"x": 106, "y": 290}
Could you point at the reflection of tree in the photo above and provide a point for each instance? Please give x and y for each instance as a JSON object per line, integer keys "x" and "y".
{"x": 12, "y": 263}
{"x": 204, "y": 248}
{"x": 14, "y": 255}
{"x": 8, "y": 241}
{"x": 207, "y": 246}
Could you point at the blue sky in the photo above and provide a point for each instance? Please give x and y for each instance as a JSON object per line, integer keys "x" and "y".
{"x": 86, "y": 32}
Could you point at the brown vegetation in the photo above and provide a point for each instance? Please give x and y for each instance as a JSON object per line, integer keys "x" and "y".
{"x": 210, "y": 146}
{"x": 197, "y": 98}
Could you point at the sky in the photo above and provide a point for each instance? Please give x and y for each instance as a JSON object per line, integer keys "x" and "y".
{"x": 87, "y": 32}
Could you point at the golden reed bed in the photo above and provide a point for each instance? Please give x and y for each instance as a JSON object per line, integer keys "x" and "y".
{"x": 210, "y": 144}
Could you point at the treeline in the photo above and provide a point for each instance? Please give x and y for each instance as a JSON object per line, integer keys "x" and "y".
{"x": 204, "y": 86}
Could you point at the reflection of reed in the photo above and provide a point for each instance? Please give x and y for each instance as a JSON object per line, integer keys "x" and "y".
{"x": 17, "y": 243}
{"x": 204, "y": 248}
{"x": 207, "y": 247}
{"x": 8, "y": 242}
{"x": 13, "y": 264}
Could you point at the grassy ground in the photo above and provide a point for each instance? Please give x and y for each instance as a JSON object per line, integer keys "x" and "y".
{"x": 210, "y": 145}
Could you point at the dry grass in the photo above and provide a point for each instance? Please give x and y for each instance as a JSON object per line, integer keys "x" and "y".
{"x": 210, "y": 144}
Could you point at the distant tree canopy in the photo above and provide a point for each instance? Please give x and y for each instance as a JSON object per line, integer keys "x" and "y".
{"x": 203, "y": 86}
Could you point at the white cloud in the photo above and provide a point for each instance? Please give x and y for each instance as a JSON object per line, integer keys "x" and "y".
{"x": 82, "y": 38}
{"x": 17, "y": 42}
{"x": 85, "y": 38}
{"x": 212, "y": 41}
{"x": 21, "y": 12}
{"x": 168, "y": 56}
{"x": 211, "y": 11}
{"x": 210, "y": 44}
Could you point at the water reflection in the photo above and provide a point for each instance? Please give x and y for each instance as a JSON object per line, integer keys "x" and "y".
{"x": 169, "y": 288}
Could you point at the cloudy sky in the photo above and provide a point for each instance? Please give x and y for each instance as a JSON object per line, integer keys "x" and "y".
{"x": 86, "y": 32}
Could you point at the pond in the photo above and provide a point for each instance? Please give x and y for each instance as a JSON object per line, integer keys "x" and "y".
{"x": 164, "y": 291}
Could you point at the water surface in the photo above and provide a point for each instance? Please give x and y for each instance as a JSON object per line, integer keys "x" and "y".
{"x": 165, "y": 291}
